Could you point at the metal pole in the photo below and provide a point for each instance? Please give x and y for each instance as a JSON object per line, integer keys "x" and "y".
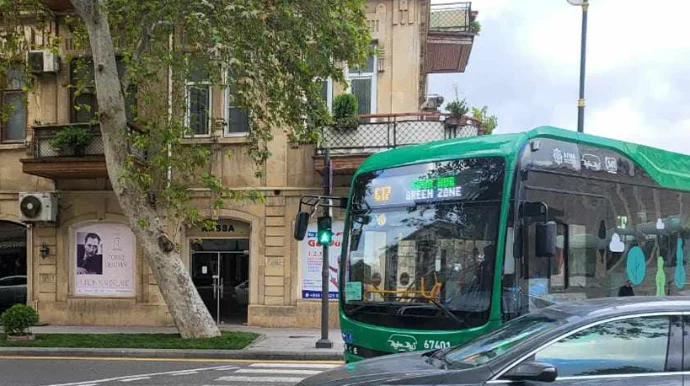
{"x": 324, "y": 342}
{"x": 583, "y": 53}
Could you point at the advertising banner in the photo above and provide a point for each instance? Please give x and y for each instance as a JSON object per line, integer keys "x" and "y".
{"x": 312, "y": 256}
{"x": 104, "y": 261}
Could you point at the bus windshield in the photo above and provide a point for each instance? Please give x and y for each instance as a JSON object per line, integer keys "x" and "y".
{"x": 422, "y": 244}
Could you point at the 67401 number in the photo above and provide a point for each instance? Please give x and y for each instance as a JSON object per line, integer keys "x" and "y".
{"x": 431, "y": 344}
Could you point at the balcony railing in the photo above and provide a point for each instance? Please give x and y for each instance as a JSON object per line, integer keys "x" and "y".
{"x": 55, "y": 164}
{"x": 451, "y": 17}
{"x": 44, "y": 135}
{"x": 387, "y": 131}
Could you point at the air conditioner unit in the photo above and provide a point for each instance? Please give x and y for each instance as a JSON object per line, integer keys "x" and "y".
{"x": 433, "y": 103}
{"x": 38, "y": 206}
{"x": 43, "y": 61}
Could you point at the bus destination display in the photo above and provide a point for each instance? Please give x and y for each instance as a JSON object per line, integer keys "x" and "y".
{"x": 406, "y": 189}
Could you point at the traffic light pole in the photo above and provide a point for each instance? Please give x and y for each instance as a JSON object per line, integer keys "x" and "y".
{"x": 324, "y": 342}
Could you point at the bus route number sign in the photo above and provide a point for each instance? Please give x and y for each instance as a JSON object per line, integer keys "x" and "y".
{"x": 382, "y": 193}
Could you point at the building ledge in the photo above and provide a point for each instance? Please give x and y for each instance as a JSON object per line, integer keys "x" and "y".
{"x": 90, "y": 166}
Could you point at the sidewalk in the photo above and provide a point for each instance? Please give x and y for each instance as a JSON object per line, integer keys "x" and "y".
{"x": 272, "y": 344}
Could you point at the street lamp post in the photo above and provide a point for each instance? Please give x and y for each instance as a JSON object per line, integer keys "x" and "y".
{"x": 583, "y": 49}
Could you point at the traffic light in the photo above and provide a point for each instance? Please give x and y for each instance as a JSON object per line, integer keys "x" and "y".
{"x": 324, "y": 233}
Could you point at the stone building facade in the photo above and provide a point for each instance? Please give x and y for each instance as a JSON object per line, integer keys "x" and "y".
{"x": 249, "y": 269}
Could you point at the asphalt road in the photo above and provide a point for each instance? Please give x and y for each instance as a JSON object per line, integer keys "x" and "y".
{"x": 23, "y": 371}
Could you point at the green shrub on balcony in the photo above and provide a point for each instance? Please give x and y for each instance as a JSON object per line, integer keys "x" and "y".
{"x": 345, "y": 111}
{"x": 72, "y": 140}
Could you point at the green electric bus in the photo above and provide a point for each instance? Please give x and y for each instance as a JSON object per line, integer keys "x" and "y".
{"x": 447, "y": 240}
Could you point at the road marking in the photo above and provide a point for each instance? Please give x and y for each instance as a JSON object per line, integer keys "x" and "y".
{"x": 191, "y": 360}
{"x": 96, "y": 381}
{"x": 308, "y": 365}
{"x": 260, "y": 379}
{"x": 278, "y": 371}
{"x": 189, "y": 372}
{"x": 134, "y": 379}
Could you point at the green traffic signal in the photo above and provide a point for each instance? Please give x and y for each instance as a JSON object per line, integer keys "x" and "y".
{"x": 324, "y": 233}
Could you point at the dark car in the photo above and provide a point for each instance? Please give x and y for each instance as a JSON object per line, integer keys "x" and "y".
{"x": 12, "y": 291}
{"x": 614, "y": 341}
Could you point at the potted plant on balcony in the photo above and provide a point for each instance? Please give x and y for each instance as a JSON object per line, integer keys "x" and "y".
{"x": 17, "y": 321}
{"x": 345, "y": 111}
{"x": 457, "y": 110}
{"x": 72, "y": 140}
{"x": 487, "y": 123}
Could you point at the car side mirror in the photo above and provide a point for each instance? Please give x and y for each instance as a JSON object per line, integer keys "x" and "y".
{"x": 301, "y": 224}
{"x": 532, "y": 371}
{"x": 546, "y": 234}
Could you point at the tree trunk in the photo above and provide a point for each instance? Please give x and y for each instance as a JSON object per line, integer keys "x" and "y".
{"x": 184, "y": 303}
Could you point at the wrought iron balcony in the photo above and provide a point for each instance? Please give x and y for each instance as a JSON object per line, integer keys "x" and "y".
{"x": 450, "y": 38}
{"x": 49, "y": 162}
{"x": 451, "y": 17}
{"x": 349, "y": 147}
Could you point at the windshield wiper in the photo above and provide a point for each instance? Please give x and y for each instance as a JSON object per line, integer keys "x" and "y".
{"x": 450, "y": 315}
{"x": 438, "y": 355}
{"x": 366, "y": 305}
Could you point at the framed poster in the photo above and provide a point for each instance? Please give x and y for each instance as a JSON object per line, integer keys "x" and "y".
{"x": 104, "y": 260}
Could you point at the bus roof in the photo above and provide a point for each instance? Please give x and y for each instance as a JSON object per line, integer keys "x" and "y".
{"x": 670, "y": 170}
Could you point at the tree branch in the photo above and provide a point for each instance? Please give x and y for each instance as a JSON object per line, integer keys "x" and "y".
{"x": 143, "y": 44}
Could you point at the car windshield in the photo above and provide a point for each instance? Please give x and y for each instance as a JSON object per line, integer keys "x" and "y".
{"x": 496, "y": 343}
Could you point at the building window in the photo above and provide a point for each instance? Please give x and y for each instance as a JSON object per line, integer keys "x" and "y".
{"x": 198, "y": 96}
{"x": 327, "y": 92}
{"x": 362, "y": 81}
{"x": 14, "y": 110}
{"x": 237, "y": 117}
{"x": 84, "y": 103}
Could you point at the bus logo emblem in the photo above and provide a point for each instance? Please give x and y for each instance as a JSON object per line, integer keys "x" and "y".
{"x": 402, "y": 343}
{"x": 591, "y": 162}
{"x": 611, "y": 165}
{"x": 558, "y": 156}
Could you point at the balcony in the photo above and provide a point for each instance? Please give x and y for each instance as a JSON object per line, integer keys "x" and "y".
{"x": 50, "y": 163}
{"x": 348, "y": 148}
{"x": 450, "y": 37}
{"x": 58, "y": 5}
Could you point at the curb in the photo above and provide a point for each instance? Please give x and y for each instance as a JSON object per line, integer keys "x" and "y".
{"x": 171, "y": 354}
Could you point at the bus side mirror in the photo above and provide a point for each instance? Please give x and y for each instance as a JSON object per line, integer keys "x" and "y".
{"x": 301, "y": 224}
{"x": 546, "y": 239}
{"x": 355, "y": 239}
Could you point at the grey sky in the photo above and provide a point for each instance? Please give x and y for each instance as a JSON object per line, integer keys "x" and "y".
{"x": 525, "y": 67}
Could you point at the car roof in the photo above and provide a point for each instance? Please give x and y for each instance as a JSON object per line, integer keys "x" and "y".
{"x": 619, "y": 306}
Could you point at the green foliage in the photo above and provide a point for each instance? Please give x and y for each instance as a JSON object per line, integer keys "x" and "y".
{"x": 229, "y": 340}
{"x": 72, "y": 140}
{"x": 475, "y": 27}
{"x": 488, "y": 122}
{"x": 18, "y": 319}
{"x": 345, "y": 111}
{"x": 457, "y": 108}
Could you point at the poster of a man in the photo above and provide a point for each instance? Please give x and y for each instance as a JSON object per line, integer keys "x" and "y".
{"x": 89, "y": 254}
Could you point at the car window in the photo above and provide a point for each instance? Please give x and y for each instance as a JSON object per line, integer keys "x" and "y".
{"x": 492, "y": 345}
{"x": 11, "y": 281}
{"x": 628, "y": 346}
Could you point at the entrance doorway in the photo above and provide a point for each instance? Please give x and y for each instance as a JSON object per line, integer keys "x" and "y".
{"x": 220, "y": 271}
{"x": 12, "y": 264}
